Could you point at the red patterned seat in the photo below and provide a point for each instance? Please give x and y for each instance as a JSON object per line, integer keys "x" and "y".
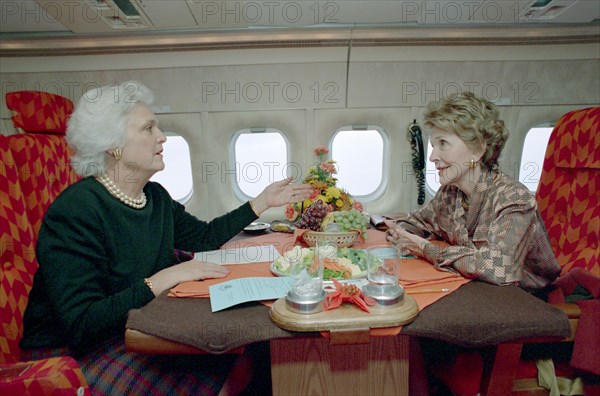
{"x": 56, "y": 376}
{"x": 44, "y": 171}
{"x": 17, "y": 255}
{"x": 42, "y": 160}
{"x": 59, "y": 375}
{"x": 568, "y": 198}
{"x": 53, "y": 376}
{"x": 569, "y": 191}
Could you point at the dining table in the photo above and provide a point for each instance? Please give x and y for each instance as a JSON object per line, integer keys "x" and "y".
{"x": 344, "y": 350}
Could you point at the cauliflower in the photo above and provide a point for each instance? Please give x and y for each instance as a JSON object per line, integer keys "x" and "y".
{"x": 346, "y": 262}
{"x": 290, "y": 257}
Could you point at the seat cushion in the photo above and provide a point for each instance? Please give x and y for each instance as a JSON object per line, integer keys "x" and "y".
{"x": 53, "y": 376}
{"x": 39, "y": 112}
{"x": 479, "y": 314}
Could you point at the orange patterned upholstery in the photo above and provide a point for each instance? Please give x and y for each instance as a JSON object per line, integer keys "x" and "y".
{"x": 568, "y": 195}
{"x": 39, "y": 112}
{"x": 55, "y": 376}
{"x": 17, "y": 257}
{"x": 44, "y": 172}
{"x": 42, "y": 160}
{"x": 33, "y": 171}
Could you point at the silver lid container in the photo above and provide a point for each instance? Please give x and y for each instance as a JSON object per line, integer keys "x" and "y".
{"x": 384, "y": 295}
{"x": 305, "y": 304}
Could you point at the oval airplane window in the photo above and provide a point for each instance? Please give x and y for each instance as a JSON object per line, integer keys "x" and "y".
{"x": 177, "y": 175}
{"x": 360, "y": 153}
{"x": 532, "y": 158}
{"x": 261, "y": 157}
{"x": 432, "y": 179}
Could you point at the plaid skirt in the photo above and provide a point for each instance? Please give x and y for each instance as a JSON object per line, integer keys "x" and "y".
{"x": 110, "y": 370}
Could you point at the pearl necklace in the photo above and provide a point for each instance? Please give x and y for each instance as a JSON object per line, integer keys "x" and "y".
{"x": 136, "y": 203}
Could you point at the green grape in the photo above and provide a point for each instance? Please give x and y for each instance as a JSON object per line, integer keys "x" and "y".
{"x": 351, "y": 220}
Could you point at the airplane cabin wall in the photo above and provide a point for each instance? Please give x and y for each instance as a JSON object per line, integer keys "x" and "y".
{"x": 308, "y": 93}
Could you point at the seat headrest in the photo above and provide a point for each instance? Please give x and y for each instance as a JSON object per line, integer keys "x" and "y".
{"x": 575, "y": 140}
{"x": 39, "y": 112}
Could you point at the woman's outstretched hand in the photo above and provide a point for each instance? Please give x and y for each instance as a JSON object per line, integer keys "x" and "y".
{"x": 187, "y": 271}
{"x": 280, "y": 193}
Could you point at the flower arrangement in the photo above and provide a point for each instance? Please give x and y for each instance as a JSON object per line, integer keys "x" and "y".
{"x": 321, "y": 177}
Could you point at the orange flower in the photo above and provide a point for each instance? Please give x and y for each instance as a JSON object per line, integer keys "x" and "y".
{"x": 315, "y": 193}
{"x": 290, "y": 212}
{"x": 319, "y": 185}
{"x": 346, "y": 293}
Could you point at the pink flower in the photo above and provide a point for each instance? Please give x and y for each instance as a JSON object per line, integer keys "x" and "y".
{"x": 314, "y": 194}
{"x": 290, "y": 213}
{"x": 327, "y": 167}
{"x": 358, "y": 206}
{"x": 321, "y": 151}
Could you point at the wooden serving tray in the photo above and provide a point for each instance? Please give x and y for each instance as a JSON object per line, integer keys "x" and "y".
{"x": 346, "y": 317}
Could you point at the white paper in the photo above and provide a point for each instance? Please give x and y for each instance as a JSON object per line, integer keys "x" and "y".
{"x": 242, "y": 255}
{"x": 237, "y": 291}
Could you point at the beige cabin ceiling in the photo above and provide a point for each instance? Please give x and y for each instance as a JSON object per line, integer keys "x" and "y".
{"x": 58, "y": 27}
{"x": 118, "y": 16}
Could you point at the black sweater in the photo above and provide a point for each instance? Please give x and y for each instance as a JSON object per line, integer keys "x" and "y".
{"x": 94, "y": 253}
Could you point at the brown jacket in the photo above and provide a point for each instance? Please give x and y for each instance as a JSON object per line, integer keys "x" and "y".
{"x": 500, "y": 239}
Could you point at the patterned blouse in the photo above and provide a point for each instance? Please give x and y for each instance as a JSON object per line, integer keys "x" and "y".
{"x": 498, "y": 238}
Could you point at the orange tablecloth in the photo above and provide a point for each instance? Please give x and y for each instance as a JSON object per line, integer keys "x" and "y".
{"x": 415, "y": 274}
{"x": 488, "y": 319}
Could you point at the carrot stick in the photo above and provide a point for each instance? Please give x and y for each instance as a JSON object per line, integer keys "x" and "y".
{"x": 334, "y": 265}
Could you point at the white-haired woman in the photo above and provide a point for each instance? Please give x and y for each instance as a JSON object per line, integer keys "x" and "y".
{"x": 106, "y": 246}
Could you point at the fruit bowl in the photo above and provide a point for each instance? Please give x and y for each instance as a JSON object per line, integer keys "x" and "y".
{"x": 342, "y": 239}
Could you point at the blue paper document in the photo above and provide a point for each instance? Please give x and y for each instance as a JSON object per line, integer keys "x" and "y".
{"x": 237, "y": 291}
